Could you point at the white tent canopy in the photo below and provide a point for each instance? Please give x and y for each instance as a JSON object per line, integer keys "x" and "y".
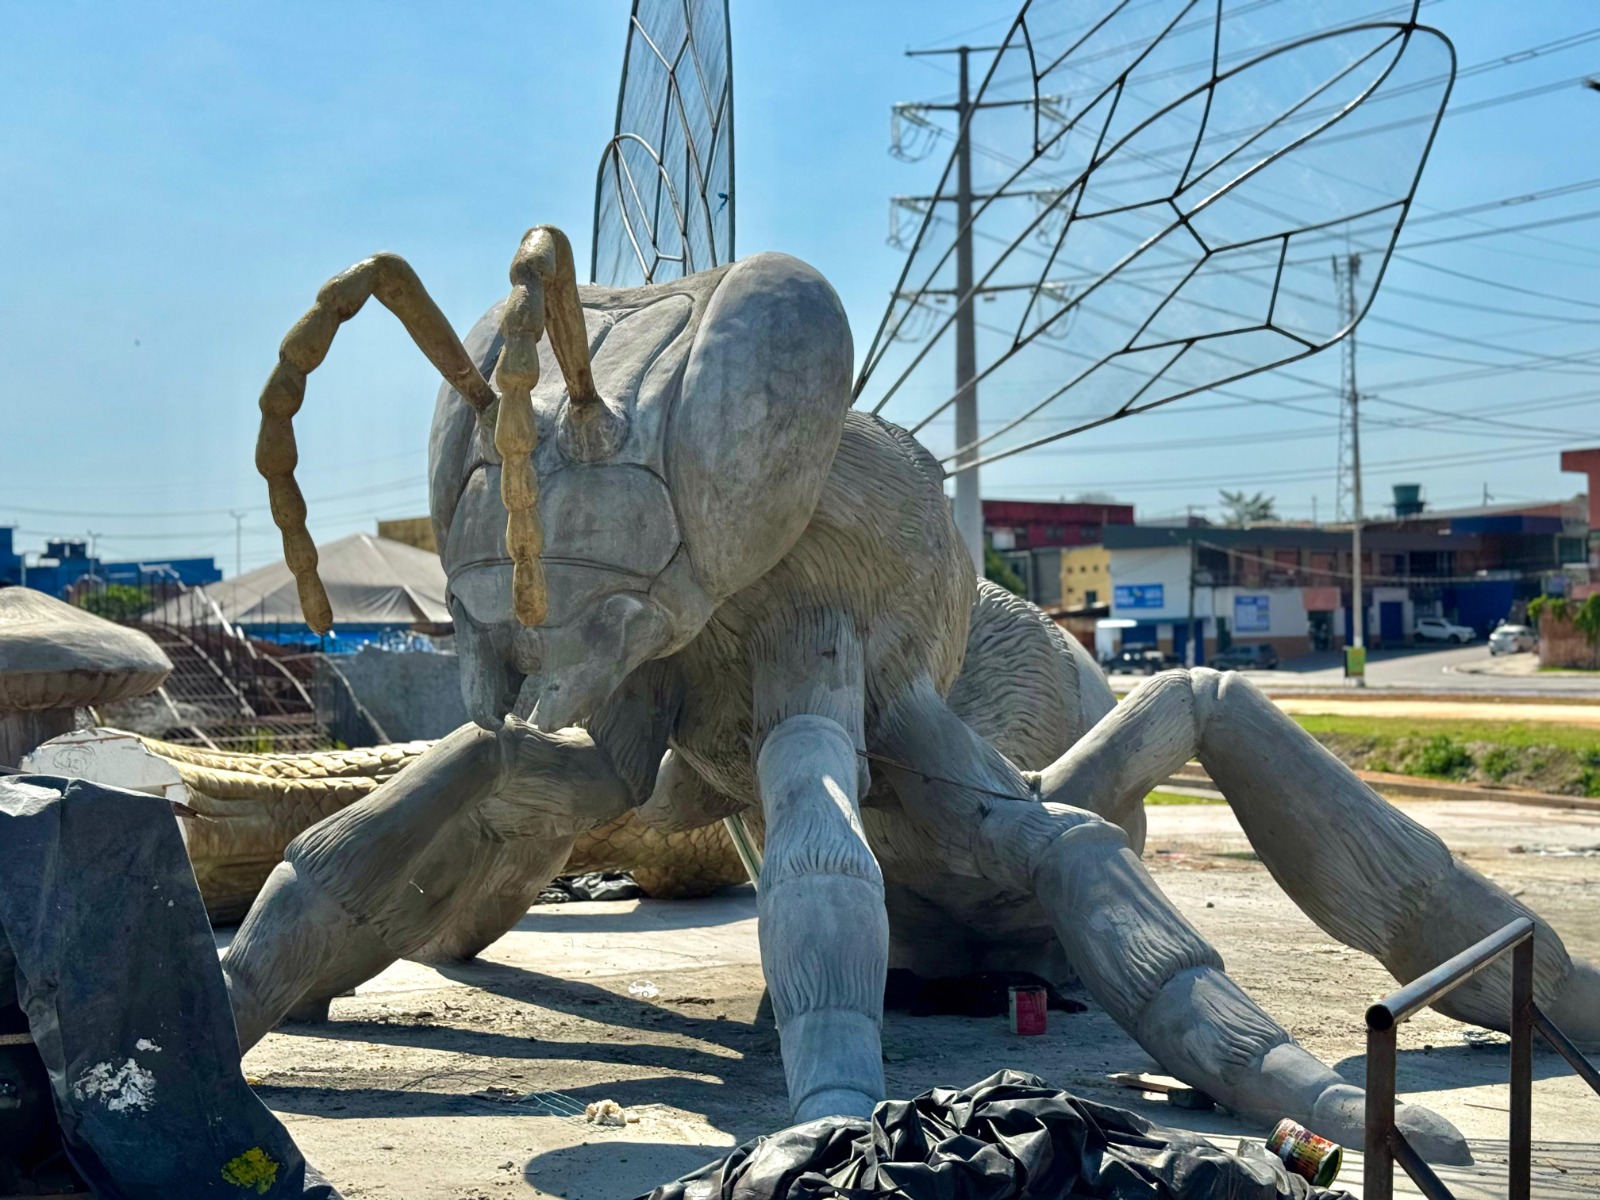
{"x": 370, "y": 581}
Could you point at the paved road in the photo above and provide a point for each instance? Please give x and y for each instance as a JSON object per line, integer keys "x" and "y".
{"x": 1414, "y": 669}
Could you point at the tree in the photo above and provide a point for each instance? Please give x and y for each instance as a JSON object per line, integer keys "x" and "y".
{"x": 995, "y": 570}
{"x": 116, "y": 602}
{"x": 1240, "y": 511}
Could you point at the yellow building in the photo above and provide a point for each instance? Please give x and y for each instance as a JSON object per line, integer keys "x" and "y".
{"x": 1085, "y": 576}
{"x": 413, "y": 531}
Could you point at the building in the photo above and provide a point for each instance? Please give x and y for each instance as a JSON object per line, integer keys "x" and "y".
{"x": 413, "y": 531}
{"x": 1033, "y": 536}
{"x": 1586, "y": 462}
{"x": 66, "y": 564}
{"x": 1290, "y": 586}
{"x": 1085, "y": 577}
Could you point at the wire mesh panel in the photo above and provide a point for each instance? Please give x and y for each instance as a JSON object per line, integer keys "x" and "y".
{"x": 1158, "y": 189}
{"x": 664, "y": 198}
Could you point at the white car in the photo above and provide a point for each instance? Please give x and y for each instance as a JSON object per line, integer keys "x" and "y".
{"x": 1437, "y": 629}
{"x": 1513, "y": 639}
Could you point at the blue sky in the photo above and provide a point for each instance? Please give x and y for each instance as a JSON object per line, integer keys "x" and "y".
{"x": 180, "y": 177}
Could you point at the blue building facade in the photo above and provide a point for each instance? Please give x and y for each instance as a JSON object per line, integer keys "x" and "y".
{"x": 66, "y": 563}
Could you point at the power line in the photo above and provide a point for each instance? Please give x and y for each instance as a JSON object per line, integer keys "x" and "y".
{"x": 1416, "y": 262}
{"x": 1392, "y": 289}
{"x": 1386, "y": 467}
{"x": 1567, "y": 219}
{"x": 373, "y": 490}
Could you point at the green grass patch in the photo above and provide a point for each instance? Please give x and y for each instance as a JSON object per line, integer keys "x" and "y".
{"x": 1577, "y": 738}
{"x": 1180, "y": 798}
{"x": 1529, "y": 755}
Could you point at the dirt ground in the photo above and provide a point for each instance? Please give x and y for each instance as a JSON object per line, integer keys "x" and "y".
{"x": 385, "y": 1097}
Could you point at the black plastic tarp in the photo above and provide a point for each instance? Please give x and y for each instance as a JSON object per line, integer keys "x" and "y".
{"x": 1010, "y": 1137}
{"x": 105, "y": 942}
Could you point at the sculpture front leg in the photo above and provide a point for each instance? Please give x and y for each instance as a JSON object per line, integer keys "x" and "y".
{"x": 436, "y": 863}
{"x": 307, "y": 936}
{"x": 824, "y": 931}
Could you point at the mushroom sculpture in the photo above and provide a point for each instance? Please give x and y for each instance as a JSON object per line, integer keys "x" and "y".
{"x": 56, "y": 659}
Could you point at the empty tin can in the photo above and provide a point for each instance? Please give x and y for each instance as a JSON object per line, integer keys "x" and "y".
{"x": 1303, "y": 1152}
{"x": 1028, "y": 1006}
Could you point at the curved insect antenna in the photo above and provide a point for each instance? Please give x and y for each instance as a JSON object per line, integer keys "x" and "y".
{"x": 544, "y": 294}
{"x": 391, "y": 279}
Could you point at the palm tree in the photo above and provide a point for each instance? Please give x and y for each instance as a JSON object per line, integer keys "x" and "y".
{"x": 1240, "y": 511}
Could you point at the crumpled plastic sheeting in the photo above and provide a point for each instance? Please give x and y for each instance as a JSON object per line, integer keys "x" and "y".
{"x": 106, "y": 942}
{"x": 1010, "y": 1137}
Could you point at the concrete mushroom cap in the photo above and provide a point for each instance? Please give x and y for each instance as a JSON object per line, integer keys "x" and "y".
{"x": 53, "y": 655}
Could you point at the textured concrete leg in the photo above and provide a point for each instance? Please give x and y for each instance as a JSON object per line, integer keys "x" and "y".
{"x": 824, "y": 930}
{"x": 296, "y": 948}
{"x": 1160, "y": 980}
{"x": 317, "y": 928}
{"x": 1145, "y": 965}
{"x": 1355, "y": 864}
{"x": 1112, "y": 768}
{"x": 824, "y": 934}
{"x": 511, "y": 880}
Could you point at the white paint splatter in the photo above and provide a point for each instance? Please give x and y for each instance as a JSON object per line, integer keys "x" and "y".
{"x": 118, "y": 1088}
{"x": 147, "y": 1044}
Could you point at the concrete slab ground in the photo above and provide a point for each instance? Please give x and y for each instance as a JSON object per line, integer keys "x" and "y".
{"x": 397, "y": 1096}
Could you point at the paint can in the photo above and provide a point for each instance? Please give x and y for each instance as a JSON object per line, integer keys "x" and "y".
{"x": 1028, "y": 1004}
{"x": 1303, "y": 1152}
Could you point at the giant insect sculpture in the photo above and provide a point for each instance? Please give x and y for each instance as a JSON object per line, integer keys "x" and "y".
{"x": 689, "y": 580}
{"x": 751, "y": 598}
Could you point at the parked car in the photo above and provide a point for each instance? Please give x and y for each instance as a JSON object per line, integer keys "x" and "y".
{"x": 1513, "y": 639}
{"x": 1254, "y": 656}
{"x": 1140, "y": 661}
{"x": 1437, "y": 629}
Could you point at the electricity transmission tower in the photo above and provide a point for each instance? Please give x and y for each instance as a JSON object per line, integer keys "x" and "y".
{"x": 968, "y": 498}
{"x": 1346, "y": 269}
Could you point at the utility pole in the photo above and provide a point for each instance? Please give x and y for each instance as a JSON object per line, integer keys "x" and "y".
{"x": 1345, "y": 271}
{"x": 1189, "y": 656}
{"x": 969, "y": 495}
{"x": 238, "y": 542}
{"x": 968, "y": 505}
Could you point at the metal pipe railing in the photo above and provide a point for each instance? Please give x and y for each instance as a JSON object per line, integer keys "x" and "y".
{"x": 1385, "y": 1145}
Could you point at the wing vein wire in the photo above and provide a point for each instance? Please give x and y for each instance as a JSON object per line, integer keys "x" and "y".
{"x": 1234, "y": 127}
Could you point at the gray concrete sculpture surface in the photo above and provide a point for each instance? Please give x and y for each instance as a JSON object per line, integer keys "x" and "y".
{"x": 688, "y": 580}
{"x": 56, "y": 658}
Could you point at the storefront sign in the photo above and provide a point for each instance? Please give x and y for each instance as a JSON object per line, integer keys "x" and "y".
{"x": 1139, "y": 595}
{"x": 1252, "y": 614}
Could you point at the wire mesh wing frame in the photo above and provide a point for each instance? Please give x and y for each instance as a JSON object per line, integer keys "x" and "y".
{"x": 664, "y": 191}
{"x": 1168, "y": 322}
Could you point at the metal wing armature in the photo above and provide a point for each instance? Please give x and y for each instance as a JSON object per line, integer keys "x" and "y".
{"x": 664, "y": 200}
{"x": 1164, "y": 183}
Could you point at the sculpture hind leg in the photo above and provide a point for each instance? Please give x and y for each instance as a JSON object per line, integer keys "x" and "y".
{"x": 1355, "y": 864}
{"x": 1143, "y": 963}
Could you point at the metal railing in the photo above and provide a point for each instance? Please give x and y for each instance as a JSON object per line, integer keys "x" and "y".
{"x": 1385, "y": 1145}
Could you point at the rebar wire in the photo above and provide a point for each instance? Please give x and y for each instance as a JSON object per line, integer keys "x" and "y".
{"x": 928, "y": 778}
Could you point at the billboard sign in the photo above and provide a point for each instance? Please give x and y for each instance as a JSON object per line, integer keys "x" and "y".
{"x": 1138, "y": 595}
{"x": 1252, "y": 614}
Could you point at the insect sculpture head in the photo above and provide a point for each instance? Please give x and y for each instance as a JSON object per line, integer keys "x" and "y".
{"x": 662, "y": 449}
